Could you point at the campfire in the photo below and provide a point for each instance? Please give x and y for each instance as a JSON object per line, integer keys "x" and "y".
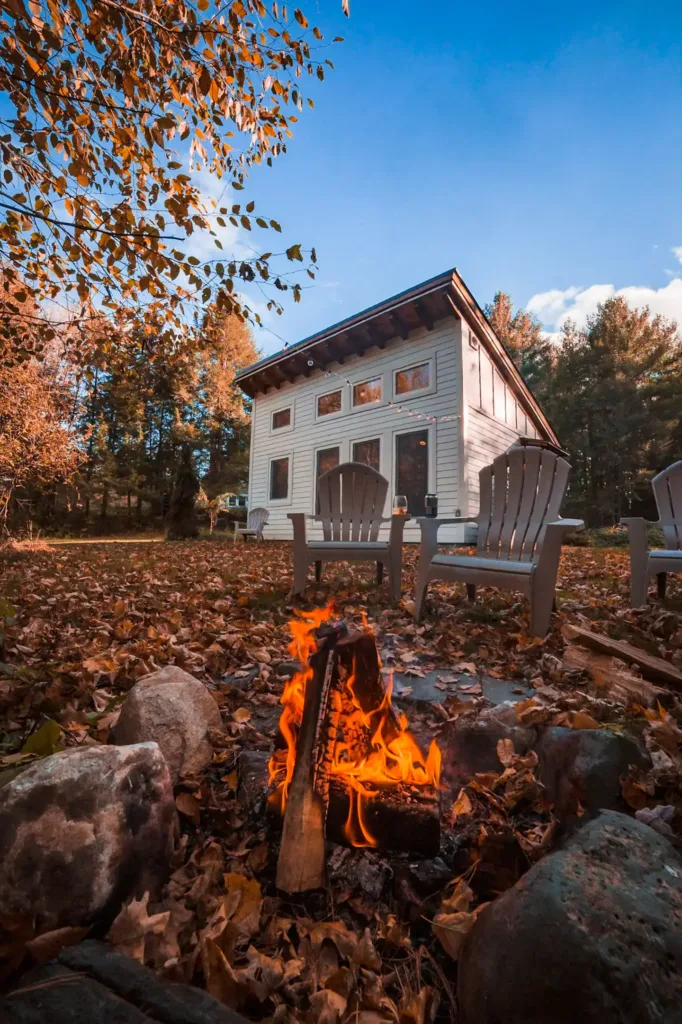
{"x": 347, "y": 769}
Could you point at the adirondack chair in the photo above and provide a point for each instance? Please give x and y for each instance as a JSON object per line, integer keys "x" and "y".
{"x": 351, "y": 501}
{"x": 256, "y": 521}
{"x": 519, "y": 533}
{"x": 644, "y": 563}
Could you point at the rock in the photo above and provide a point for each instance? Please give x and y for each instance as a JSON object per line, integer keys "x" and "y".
{"x": 592, "y": 933}
{"x": 254, "y": 778}
{"x": 175, "y": 710}
{"x": 83, "y": 830}
{"x": 470, "y": 747}
{"x": 430, "y": 875}
{"x": 287, "y": 669}
{"x": 585, "y": 766}
{"x": 91, "y": 983}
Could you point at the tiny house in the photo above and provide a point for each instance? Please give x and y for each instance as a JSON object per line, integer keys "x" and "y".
{"x": 419, "y": 387}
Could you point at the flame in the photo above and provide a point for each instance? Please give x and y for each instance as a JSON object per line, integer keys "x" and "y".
{"x": 302, "y": 647}
{"x": 394, "y": 757}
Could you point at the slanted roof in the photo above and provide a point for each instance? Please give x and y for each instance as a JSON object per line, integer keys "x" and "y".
{"x": 421, "y": 306}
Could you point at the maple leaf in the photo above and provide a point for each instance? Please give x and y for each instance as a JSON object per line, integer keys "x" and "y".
{"x": 130, "y": 929}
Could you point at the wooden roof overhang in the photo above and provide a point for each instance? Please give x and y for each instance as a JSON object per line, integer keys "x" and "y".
{"x": 376, "y": 327}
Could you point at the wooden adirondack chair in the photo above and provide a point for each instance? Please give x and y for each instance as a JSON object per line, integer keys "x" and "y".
{"x": 255, "y": 523}
{"x": 644, "y": 563}
{"x": 352, "y": 498}
{"x": 519, "y": 533}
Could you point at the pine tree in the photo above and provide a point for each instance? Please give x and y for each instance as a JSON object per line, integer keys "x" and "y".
{"x": 182, "y": 520}
{"x": 521, "y": 334}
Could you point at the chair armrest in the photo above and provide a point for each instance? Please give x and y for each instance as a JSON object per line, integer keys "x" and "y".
{"x": 637, "y": 531}
{"x": 447, "y": 520}
{"x": 567, "y": 525}
{"x": 397, "y": 529}
{"x": 298, "y": 521}
{"x": 430, "y": 526}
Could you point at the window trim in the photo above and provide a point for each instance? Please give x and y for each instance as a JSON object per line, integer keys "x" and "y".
{"x": 291, "y": 424}
{"x": 329, "y": 415}
{"x": 368, "y": 405}
{"x": 379, "y": 436}
{"x": 290, "y": 478}
{"x": 431, "y": 389}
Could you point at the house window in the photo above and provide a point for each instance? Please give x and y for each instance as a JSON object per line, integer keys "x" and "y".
{"x": 368, "y": 453}
{"x": 416, "y": 378}
{"x": 412, "y": 469}
{"x": 329, "y": 403}
{"x": 279, "y": 479}
{"x": 367, "y": 393}
{"x": 326, "y": 459}
{"x": 281, "y": 418}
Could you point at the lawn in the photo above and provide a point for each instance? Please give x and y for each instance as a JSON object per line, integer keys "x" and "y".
{"x": 90, "y": 619}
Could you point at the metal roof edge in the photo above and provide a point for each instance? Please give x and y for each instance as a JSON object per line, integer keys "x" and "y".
{"x": 385, "y": 306}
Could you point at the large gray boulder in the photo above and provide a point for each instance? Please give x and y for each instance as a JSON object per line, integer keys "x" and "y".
{"x": 583, "y": 768}
{"x": 83, "y": 830}
{"x": 592, "y": 933}
{"x": 90, "y": 983}
{"x": 175, "y": 710}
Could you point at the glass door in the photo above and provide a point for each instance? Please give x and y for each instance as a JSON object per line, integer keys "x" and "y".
{"x": 412, "y": 469}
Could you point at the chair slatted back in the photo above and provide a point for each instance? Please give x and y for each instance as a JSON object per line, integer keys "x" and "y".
{"x": 257, "y": 518}
{"x": 668, "y": 493}
{"x": 352, "y": 498}
{"x": 521, "y": 492}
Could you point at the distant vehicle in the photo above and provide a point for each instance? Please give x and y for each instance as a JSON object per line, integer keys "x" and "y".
{"x": 237, "y": 501}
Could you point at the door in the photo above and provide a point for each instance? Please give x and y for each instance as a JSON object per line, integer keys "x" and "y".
{"x": 326, "y": 459}
{"x": 412, "y": 469}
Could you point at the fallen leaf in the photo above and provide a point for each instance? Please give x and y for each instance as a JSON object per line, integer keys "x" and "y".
{"x": 505, "y": 751}
{"x": 327, "y": 1007}
{"x": 130, "y": 929}
{"x": 46, "y": 946}
{"x": 452, "y": 929}
{"x": 462, "y": 805}
{"x": 45, "y": 741}
{"x": 365, "y": 954}
{"x": 189, "y": 806}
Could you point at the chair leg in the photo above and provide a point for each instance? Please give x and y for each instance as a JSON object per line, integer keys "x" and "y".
{"x": 471, "y": 591}
{"x": 300, "y": 573}
{"x": 639, "y": 585}
{"x": 542, "y": 600}
{"x": 380, "y": 573}
{"x": 318, "y": 571}
{"x": 661, "y": 581}
{"x": 420, "y": 595}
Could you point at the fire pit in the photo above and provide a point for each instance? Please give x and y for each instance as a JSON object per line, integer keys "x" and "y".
{"x": 347, "y": 769}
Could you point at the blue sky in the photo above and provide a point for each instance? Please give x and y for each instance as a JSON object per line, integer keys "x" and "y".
{"x": 535, "y": 146}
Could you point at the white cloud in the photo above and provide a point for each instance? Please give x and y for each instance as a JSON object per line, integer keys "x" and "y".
{"x": 677, "y": 252}
{"x": 555, "y": 307}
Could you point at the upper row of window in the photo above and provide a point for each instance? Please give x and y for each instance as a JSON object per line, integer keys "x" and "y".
{"x": 369, "y": 392}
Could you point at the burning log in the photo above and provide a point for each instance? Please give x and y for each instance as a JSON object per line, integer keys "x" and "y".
{"x": 301, "y": 856}
{"x": 405, "y": 818}
{"x": 350, "y": 770}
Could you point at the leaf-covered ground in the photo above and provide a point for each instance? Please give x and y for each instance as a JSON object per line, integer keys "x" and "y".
{"x": 83, "y": 622}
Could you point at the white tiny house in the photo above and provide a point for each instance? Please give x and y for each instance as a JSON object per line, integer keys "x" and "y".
{"x": 419, "y": 387}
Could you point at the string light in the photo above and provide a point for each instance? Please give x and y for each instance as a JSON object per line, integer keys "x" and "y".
{"x": 402, "y": 410}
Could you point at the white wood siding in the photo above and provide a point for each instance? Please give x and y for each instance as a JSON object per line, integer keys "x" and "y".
{"x": 495, "y": 417}
{"x": 311, "y": 433}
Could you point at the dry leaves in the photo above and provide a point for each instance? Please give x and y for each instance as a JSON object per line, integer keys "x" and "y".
{"x": 131, "y": 929}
